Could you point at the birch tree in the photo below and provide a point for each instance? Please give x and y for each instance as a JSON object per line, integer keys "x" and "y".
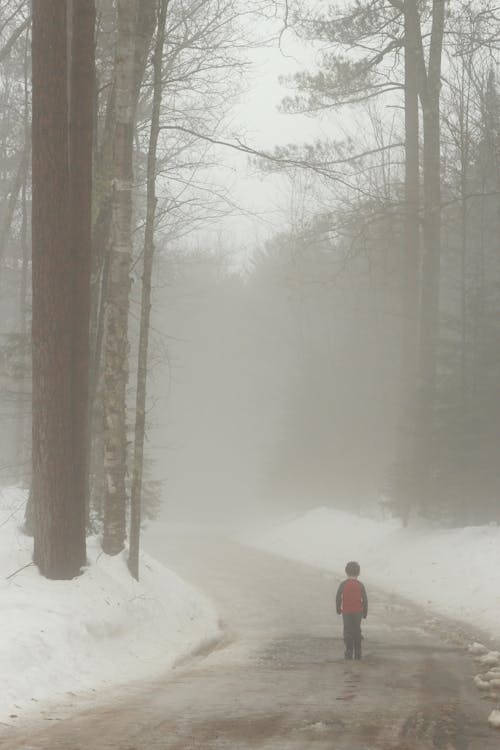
{"x": 135, "y": 28}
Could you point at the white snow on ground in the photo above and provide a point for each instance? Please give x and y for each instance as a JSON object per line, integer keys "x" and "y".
{"x": 494, "y": 718}
{"x": 452, "y": 572}
{"x": 101, "y": 629}
{"x": 58, "y": 638}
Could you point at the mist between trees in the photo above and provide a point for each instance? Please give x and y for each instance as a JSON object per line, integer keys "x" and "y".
{"x": 353, "y": 360}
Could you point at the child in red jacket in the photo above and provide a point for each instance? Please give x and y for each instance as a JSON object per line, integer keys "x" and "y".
{"x": 352, "y": 604}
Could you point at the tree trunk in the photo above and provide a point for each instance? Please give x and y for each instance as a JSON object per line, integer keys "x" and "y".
{"x": 464, "y": 144}
{"x": 22, "y": 396}
{"x": 81, "y": 123}
{"x": 101, "y": 233}
{"x": 52, "y": 295}
{"x": 140, "y": 413}
{"x": 134, "y": 33}
{"x": 59, "y": 543}
{"x": 410, "y": 285}
{"x": 116, "y": 314}
{"x": 430, "y": 85}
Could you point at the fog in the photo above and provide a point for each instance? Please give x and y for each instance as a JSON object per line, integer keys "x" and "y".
{"x": 280, "y": 385}
{"x": 283, "y": 373}
{"x": 271, "y": 381}
{"x": 250, "y": 331}
{"x": 268, "y": 396}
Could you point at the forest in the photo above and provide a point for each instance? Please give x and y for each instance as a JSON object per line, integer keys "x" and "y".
{"x": 350, "y": 357}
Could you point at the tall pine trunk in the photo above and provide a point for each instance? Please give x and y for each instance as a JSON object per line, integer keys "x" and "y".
{"x": 62, "y": 53}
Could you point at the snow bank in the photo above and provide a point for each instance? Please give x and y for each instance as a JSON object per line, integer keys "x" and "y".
{"x": 452, "y": 572}
{"x": 103, "y": 628}
{"x": 494, "y": 718}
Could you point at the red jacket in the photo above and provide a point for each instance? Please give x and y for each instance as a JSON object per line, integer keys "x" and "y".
{"x": 351, "y": 597}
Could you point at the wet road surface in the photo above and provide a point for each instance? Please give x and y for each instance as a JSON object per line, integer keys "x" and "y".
{"x": 277, "y": 679}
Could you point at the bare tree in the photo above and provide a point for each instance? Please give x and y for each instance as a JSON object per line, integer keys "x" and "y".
{"x": 148, "y": 255}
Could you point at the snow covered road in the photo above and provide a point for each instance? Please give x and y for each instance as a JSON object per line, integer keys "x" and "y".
{"x": 277, "y": 680}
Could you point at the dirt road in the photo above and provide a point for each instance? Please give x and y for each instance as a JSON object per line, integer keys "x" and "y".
{"x": 277, "y": 680}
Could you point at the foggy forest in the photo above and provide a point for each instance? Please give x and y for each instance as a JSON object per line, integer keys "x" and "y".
{"x": 250, "y": 291}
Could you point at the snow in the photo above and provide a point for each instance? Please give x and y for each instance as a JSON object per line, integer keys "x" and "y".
{"x": 491, "y": 659}
{"x": 453, "y": 572}
{"x": 477, "y": 649}
{"x": 494, "y": 718}
{"x": 104, "y": 628}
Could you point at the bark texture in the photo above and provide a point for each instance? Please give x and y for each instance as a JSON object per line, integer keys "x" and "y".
{"x": 135, "y": 28}
{"x": 429, "y": 92}
{"x": 58, "y": 329}
{"x": 411, "y": 262}
{"x": 116, "y": 315}
{"x": 140, "y": 410}
{"x": 82, "y": 79}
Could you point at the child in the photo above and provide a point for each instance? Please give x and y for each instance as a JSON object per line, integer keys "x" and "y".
{"x": 352, "y": 604}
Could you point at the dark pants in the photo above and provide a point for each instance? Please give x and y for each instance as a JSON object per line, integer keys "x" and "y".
{"x": 352, "y": 634}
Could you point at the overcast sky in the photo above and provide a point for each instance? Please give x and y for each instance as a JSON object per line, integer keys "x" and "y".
{"x": 256, "y": 119}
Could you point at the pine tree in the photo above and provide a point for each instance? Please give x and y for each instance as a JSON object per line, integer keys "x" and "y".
{"x": 62, "y": 128}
